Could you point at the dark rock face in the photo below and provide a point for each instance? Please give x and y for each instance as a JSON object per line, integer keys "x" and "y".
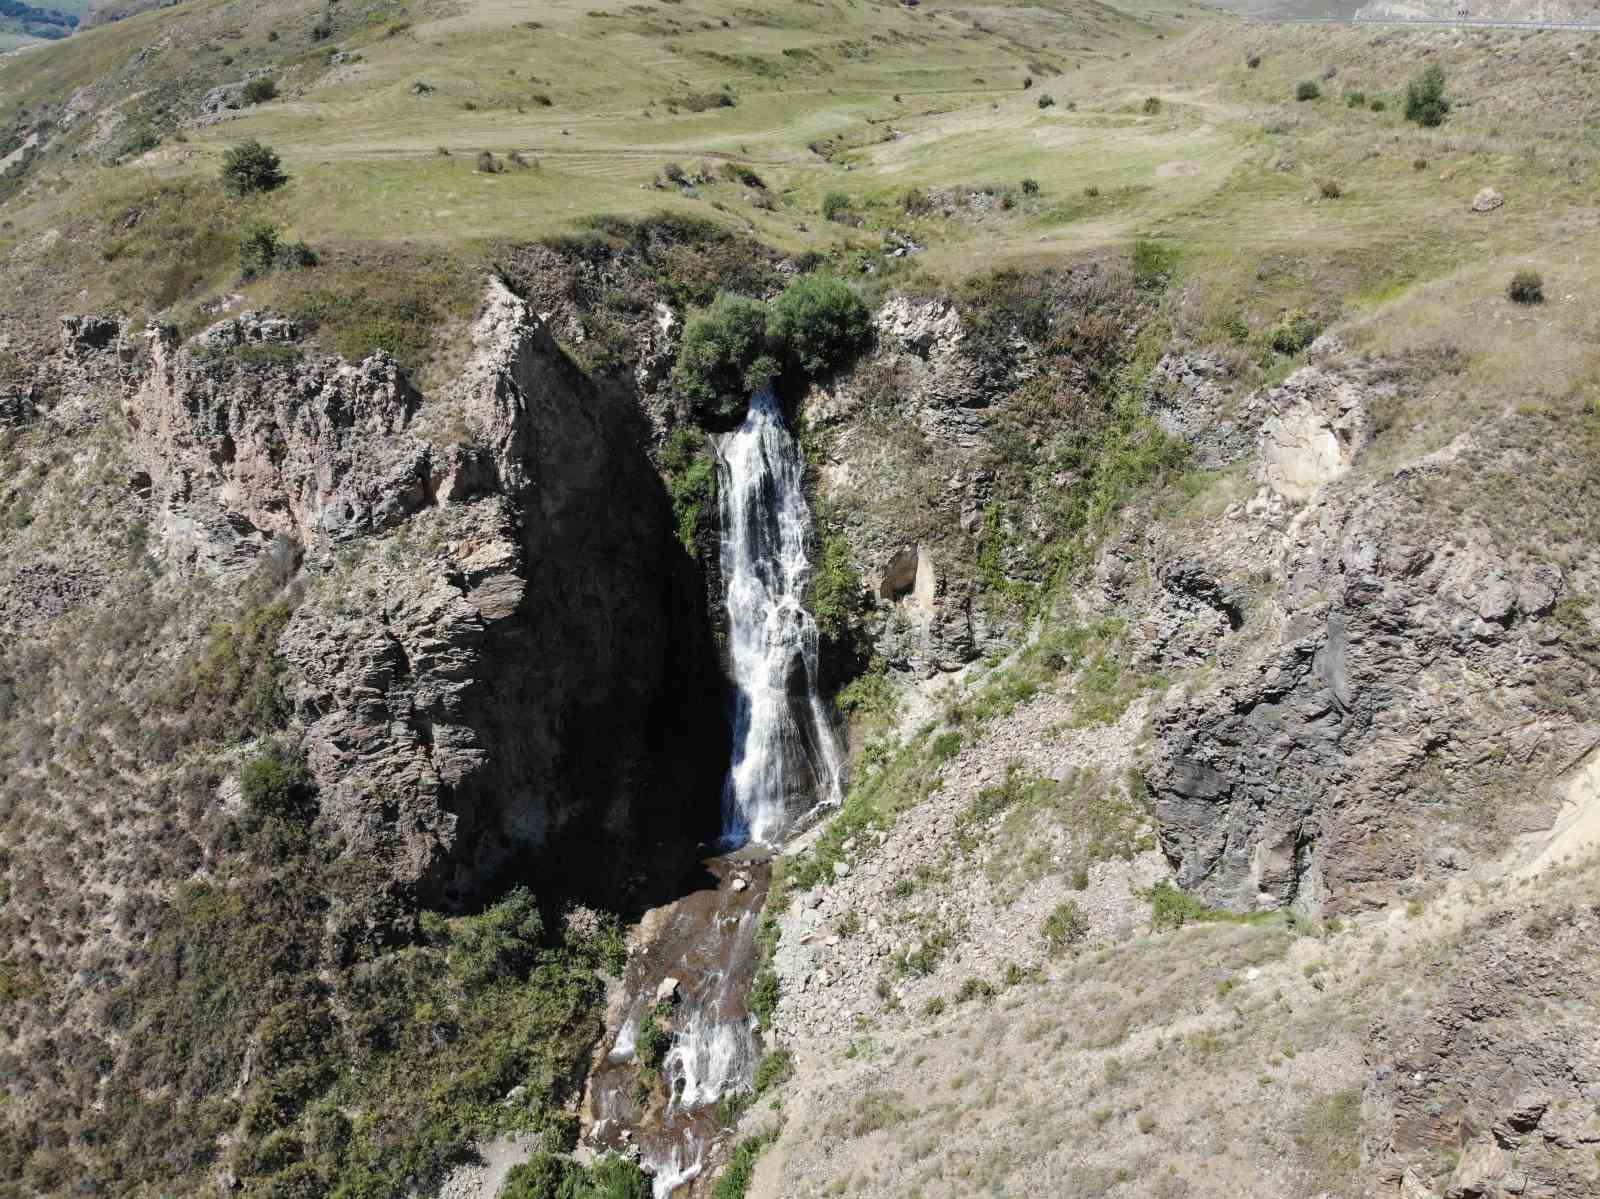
{"x": 502, "y": 650}
{"x": 1390, "y": 690}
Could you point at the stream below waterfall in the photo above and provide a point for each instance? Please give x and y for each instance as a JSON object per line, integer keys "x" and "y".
{"x": 681, "y": 1037}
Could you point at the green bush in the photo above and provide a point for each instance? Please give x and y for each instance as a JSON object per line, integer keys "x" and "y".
{"x": 652, "y": 1042}
{"x": 1294, "y": 331}
{"x": 1046, "y": 100}
{"x": 258, "y": 249}
{"x": 261, "y": 89}
{"x": 837, "y": 596}
{"x": 1172, "y": 908}
{"x": 774, "y": 1069}
{"x": 262, "y": 250}
{"x": 1355, "y": 99}
{"x": 251, "y": 167}
{"x": 835, "y": 205}
{"x": 1377, "y": 106}
{"x": 945, "y": 746}
{"x": 498, "y": 943}
{"x": 820, "y": 322}
{"x": 734, "y": 1182}
{"x": 543, "y": 1176}
{"x": 1425, "y": 99}
{"x": 724, "y": 358}
{"x": 691, "y": 476}
{"x": 1065, "y": 927}
{"x": 1307, "y": 89}
{"x": 547, "y": 1176}
{"x": 1030, "y": 187}
{"x": 765, "y": 992}
{"x": 1526, "y": 287}
{"x": 975, "y": 988}
{"x": 276, "y": 784}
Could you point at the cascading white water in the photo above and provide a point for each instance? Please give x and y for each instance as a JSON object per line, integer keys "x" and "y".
{"x": 785, "y": 761}
{"x": 784, "y": 752}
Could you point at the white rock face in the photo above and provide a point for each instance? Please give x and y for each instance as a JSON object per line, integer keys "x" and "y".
{"x": 1320, "y": 426}
{"x": 921, "y": 327}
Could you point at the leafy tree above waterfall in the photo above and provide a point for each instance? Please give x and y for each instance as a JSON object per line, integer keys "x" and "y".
{"x": 724, "y": 358}
{"x": 820, "y": 322}
{"x": 738, "y": 345}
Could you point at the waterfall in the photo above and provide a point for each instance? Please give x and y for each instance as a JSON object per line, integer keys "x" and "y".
{"x": 784, "y": 754}
{"x": 784, "y": 762}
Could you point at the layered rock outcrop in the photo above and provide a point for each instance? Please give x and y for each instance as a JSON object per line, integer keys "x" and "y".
{"x": 1384, "y": 684}
{"x": 501, "y": 645}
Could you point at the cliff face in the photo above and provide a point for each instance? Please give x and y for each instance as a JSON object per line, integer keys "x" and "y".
{"x": 1391, "y": 693}
{"x": 498, "y": 627}
{"x": 1377, "y": 668}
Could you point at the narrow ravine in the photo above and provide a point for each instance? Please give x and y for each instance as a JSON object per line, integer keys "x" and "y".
{"x": 684, "y": 1038}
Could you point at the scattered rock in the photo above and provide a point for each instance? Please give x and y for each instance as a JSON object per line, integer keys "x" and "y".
{"x": 1487, "y": 200}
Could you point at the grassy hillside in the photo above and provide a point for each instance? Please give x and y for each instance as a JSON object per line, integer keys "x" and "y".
{"x": 1133, "y": 121}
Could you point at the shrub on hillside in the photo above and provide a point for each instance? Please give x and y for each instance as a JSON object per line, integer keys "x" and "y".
{"x": 691, "y": 482}
{"x": 261, "y": 89}
{"x": 1307, "y": 89}
{"x": 1526, "y": 287}
{"x": 1425, "y": 99}
{"x": 543, "y": 1176}
{"x": 1152, "y": 105}
{"x": 498, "y": 943}
{"x": 724, "y": 358}
{"x": 819, "y": 321}
{"x": 261, "y": 250}
{"x": 835, "y": 205}
{"x": 1030, "y": 187}
{"x": 547, "y": 1176}
{"x": 1065, "y": 927}
{"x": 1378, "y": 105}
{"x": 1294, "y": 331}
{"x": 276, "y": 784}
{"x": 251, "y": 167}
{"x": 1046, "y": 100}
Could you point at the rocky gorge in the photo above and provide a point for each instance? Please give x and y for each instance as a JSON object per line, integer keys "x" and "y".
{"x": 498, "y": 656}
